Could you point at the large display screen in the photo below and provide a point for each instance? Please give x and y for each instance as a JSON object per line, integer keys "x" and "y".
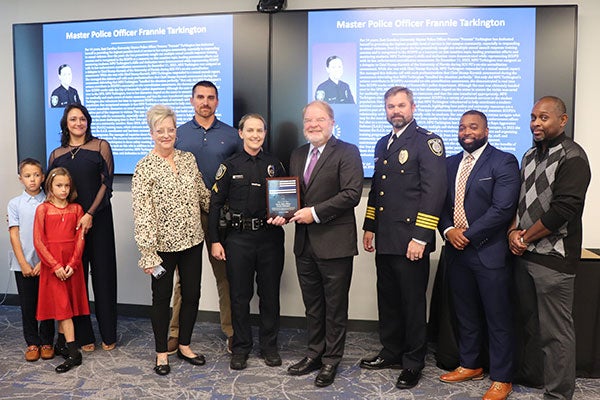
{"x": 118, "y": 69}
{"x": 497, "y": 60}
{"x": 452, "y": 59}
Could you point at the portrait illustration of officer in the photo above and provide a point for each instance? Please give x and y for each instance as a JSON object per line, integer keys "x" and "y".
{"x": 334, "y": 90}
{"x": 64, "y": 95}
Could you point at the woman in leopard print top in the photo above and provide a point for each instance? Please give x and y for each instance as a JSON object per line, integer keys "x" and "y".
{"x": 168, "y": 196}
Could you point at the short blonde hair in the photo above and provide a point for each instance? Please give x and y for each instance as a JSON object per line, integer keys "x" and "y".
{"x": 250, "y": 116}
{"x": 158, "y": 113}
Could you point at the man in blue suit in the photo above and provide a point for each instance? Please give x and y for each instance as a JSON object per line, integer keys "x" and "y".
{"x": 483, "y": 189}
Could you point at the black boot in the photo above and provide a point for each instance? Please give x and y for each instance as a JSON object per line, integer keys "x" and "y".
{"x": 60, "y": 348}
{"x": 74, "y": 358}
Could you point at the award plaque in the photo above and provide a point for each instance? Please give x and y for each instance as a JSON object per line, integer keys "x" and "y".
{"x": 283, "y": 196}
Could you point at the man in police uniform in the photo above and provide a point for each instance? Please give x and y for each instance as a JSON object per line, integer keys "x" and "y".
{"x": 334, "y": 90}
{"x": 406, "y": 198}
{"x": 211, "y": 141}
{"x": 64, "y": 95}
{"x": 253, "y": 246}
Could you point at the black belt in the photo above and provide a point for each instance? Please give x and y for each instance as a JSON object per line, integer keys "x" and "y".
{"x": 248, "y": 224}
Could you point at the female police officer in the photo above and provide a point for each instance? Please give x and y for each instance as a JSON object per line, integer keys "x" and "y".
{"x": 253, "y": 244}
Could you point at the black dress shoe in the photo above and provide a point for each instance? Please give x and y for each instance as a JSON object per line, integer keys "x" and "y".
{"x": 198, "y": 360}
{"x": 69, "y": 363}
{"x": 379, "y": 362}
{"x": 326, "y": 375}
{"x": 272, "y": 359}
{"x": 162, "y": 369}
{"x": 238, "y": 361}
{"x": 305, "y": 366}
{"x": 408, "y": 378}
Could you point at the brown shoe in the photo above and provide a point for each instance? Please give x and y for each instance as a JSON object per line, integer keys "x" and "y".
{"x": 461, "y": 374}
{"x": 172, "y": 345}
{"x": 47, "y": 352}
{"x": 88, "y": 348}
{"x": 498, "y": 391}
{"x": 32, "y": 353}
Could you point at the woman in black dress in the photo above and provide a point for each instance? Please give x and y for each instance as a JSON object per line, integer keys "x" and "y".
{"x": 90, "y": 162}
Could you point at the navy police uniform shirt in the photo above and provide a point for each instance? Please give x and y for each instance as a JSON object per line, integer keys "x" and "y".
{"x": 62, "y": 97}
{"x": 407, "y": 191}
{"x": 331, "y": 93}
{"x": 241, "y": 182}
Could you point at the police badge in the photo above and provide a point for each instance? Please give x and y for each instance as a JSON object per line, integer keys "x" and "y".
{"x": 436, "y": 146}
{"x": 220, "y": 172}
{"x": 403, "y": 156}
{"x": 271, "y": 170}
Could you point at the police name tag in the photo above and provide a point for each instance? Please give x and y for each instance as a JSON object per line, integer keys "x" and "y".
{"x": 283, "y": 196}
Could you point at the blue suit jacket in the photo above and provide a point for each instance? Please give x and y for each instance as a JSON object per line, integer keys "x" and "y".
{"x": 491, "y": 197}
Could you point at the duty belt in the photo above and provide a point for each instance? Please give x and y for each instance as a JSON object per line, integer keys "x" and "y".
{"x": 247, "y": 224}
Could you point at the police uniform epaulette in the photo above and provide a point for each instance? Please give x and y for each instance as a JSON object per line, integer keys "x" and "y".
{"x": 424, "y": 131}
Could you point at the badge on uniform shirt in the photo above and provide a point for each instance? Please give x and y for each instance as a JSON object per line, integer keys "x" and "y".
{"x": 271, "y": 170}
{"x": 54, "y": 100}
{"x": 403, "y": 156}
{"x": 436, "y": 146}
{"x": 220, "y": 172}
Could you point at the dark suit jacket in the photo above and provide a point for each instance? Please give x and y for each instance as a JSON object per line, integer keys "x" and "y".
{"x": 334, "y": 189}
{"x": 491, "y": 197}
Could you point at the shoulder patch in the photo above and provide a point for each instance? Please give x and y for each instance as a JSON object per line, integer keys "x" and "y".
{"x": 436, "y": 146}
{"x": 220, "y": 172}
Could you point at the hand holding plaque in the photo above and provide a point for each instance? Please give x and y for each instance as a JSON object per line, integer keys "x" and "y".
{"x": 283, "y": 196}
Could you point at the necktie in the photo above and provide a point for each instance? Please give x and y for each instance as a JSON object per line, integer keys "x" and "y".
{"x": 391, "y": 141}
{"x": 311, "y": 164}
{"x": 460, "y": 218}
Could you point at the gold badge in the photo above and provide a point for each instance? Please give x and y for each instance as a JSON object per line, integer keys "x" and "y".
{"x": 436, "y": 146}
{"x": 220, "y": 172}
{"x": 403, "y": 156}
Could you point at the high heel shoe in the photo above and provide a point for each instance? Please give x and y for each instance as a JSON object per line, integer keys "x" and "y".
{"x": 162, "y": 369}
{"x": 198, "y": 360}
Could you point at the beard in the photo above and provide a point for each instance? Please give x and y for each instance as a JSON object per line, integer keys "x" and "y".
{"x": 398, "y": 122}
{"x": 474, "y": 145}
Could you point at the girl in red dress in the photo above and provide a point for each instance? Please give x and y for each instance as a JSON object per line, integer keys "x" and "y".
{"x": 59, "y": 245}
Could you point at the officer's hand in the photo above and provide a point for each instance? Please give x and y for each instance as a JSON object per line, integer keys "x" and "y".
{"x": 457, "y": 238}
{"x": 278, "y": 221}
{"x": 217, "y": 251}
{"x": 415, "y": 251}
{"x": 303, "y": 216}
{"x": 368, "y": 241}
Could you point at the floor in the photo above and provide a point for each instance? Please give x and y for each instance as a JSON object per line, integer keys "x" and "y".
{"x": 126, "y": 372}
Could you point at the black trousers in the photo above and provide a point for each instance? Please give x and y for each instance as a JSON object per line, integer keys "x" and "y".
{"x": 325, "y": 285}
{"x": 100, "y": 259}
{"x": 255, "y": 255}
{"x": 28, "y": 296}
{"x": 189, "y": 264}
{"x": 402, "y": 306}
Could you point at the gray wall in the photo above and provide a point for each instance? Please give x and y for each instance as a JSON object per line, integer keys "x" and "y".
{"x": 134, "y": 286}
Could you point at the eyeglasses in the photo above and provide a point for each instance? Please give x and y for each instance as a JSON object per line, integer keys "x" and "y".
{"x": 168, "y": 131}
{"x": 319, "y": 121}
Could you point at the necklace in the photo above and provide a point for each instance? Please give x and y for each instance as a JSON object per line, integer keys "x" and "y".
{"x": 74, "y": 150}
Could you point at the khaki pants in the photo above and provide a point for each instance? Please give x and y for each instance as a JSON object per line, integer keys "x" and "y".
{"x": 220, "y": 272}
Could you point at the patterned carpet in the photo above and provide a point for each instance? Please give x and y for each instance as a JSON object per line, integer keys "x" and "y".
{"x": 126, "y": 372}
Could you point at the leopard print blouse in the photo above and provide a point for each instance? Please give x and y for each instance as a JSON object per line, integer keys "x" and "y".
{"x": 167, "y": 205}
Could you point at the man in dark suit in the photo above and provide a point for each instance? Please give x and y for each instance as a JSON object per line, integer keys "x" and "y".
{"x": 405, "y": 201}
{"x": 326, "y": 241}
{"x": 483, "y": 189}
